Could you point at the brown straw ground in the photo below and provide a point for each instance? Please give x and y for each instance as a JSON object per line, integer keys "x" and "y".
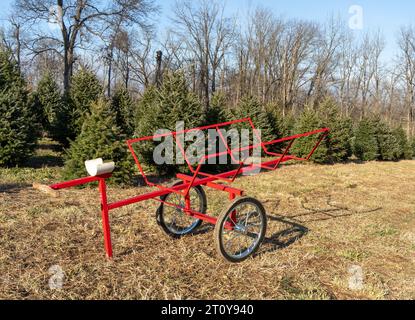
{"x": 323, "y": 221}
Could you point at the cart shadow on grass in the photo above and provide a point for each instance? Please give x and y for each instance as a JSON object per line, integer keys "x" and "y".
{"x": 290, "y": 234}
{"x": 331, "y": 211}
{"x": 294, "y": 228}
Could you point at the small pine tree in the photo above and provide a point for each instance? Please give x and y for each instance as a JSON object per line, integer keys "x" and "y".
{"x": 288, "y": 125}
{"x": 53, "y": 107}
{"x": 38, "y": 112}
{"x": 336, "y": 147}
{"x": 404, "y": 150}
{"x": 177, "y": 103}
{"x": 365, "y": 146}
{"x": 250, "y": 107}
{"x": 64, "y": 129}
{"x": 280, "y": 128}
{"x": 18, "y": 128}
{"x": 85, "y": 89}
{"x": 122, "y": 108}
{"x": 145, "y": 113}
{"x": 162, "y": 109}
{"x": 412, "y": 144}
{"x": 99, "y": 138}
{"x": 338, "y": 142}
{"x": 309, "y": 121}
{"x": 217, "y": 110}
{"x": 389, "y": 149}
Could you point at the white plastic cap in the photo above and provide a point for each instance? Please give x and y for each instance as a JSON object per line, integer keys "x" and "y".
{"x": 97, "y": 167}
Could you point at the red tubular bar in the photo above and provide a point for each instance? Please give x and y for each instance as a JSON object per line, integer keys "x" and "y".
{"x": 78, "y": 182}
{"x": 212, "y": 185}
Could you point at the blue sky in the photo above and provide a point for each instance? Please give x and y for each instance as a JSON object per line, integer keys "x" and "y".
{"x": 385, "y": 15}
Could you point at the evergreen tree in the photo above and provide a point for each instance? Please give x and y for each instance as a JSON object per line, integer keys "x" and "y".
{"x": 146, "y": 112}
{"x": 176, "y": 104}
{"x": 122, "y": 108}
{"x": 85, "y": 89}
{"x": 412, "y": 144}
{"x": 365, "y": 145}
{"x": 250, "y": 107}
{"x": 288, "y": 125}
{"x": 309, "y": 121}
{"x": 162, "y": 109}
{"x": 404, "y": 150}
{"x": 99, "y": 138}
{"x": 217, "y": 110}
{"x": 336, "y": 147}
{"x": 18, "y": 128}
{"x": 389, "y": 149}
{"x": 338, "y": 142}
{"x": 52, "y": 105}
{"x": 39, "y": 115}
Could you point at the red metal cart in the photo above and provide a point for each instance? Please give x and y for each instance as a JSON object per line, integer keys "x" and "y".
{"x": 241, "y": 227}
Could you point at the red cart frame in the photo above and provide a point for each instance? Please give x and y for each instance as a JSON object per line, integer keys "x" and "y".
{"x": 197, "y": 177}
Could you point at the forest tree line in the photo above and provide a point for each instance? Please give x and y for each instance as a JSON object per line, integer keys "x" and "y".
{"x": 88, "y": 61}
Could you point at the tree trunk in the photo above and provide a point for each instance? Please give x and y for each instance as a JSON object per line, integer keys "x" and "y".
{"x": 159, "y": 58}
{"x": 110, "y": 58}
{"x": 213, "y": 85}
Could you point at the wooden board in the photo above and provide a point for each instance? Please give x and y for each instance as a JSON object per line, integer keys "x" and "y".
{"x": 46, "y": 189}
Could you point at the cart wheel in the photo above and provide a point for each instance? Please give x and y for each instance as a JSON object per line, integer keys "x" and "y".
{"x": 240, "y": 229}
{"x": 174, "y": 221}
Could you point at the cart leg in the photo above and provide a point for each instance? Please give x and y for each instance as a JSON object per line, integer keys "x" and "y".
{"x": 187, "y": 202}
{"x": 105, "y": 218}
{"x": 232, "y": 197}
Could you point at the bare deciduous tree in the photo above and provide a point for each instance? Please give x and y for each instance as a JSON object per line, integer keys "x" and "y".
{"x": 407, "y": 67}
{"x": 207, "y": 34}
{"x": 77, "y": 21}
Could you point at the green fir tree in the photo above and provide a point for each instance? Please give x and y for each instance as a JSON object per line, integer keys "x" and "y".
{"x": 338, "y": 142}
{"x": 165, "y": 108}
{"x": 217, "y": 112}
{"x": 85, "y": 90}
{"x": 53, "y": 107}
{"x": 122, "y": 107}
{"x": 365, "y": 146}
{"x": 100, "y": 137}
{"x": 263, "y": 120}
{"x": 404, "y": 150}
{"x": 18, "y": 127}
{"x": 389, "y": 148}
{"x": 309, "y": 121}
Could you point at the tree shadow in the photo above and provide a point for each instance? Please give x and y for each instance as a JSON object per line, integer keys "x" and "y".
{"x": 13, "y": 187}
{"x": 56, "y": 147}
{"x": 294, "y": 228}
{"x": 40, "y": 161}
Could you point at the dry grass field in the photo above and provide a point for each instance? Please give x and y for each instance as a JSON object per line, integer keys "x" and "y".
{"x": 323, "y": 223}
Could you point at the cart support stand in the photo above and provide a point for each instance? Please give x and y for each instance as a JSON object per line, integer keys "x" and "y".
{"x": 104, "y": 204}
{"x": 105, "y": 218}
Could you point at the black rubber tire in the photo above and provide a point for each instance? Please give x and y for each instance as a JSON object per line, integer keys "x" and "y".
{"x": 222, "y": 219}
{"x": 160, "y": 212}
